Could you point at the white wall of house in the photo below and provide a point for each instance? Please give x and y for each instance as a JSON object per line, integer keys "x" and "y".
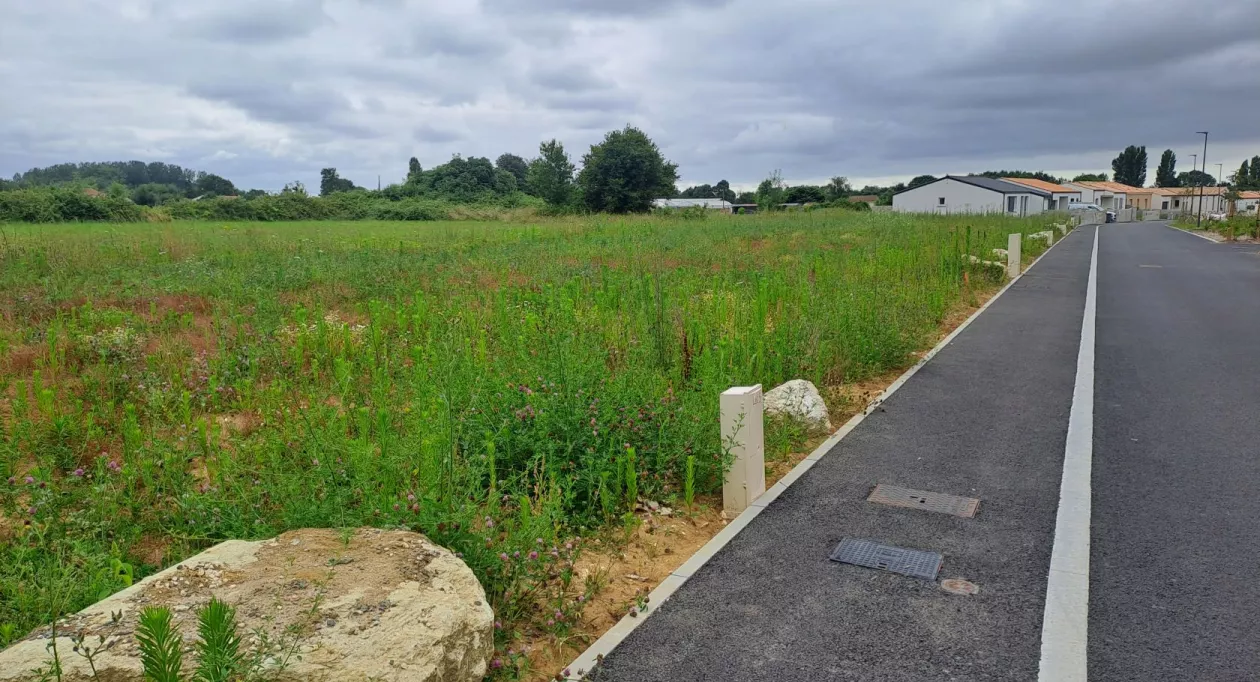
{"x": 1106, "y": 199}
{"x": 1246, "y": 205}
{"x": 1060, "y": 200}
{"x": 1190, "y": 203}
{"x": 949, "y": 196}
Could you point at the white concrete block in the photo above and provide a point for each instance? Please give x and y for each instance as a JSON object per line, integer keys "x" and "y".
{"x": 1013, "y": 263}
{"x": 743, "y": 433}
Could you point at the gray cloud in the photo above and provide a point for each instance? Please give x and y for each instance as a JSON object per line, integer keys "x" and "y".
{"x": 269, "y": 92}
{"x": 255, "y": 23}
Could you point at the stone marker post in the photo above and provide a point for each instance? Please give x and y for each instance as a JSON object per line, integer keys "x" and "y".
{"x": 1013, "y": 263}
{"x": 742, "y": 432}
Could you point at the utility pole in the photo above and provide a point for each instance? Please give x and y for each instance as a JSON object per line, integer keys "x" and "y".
{"x": 1199, "y": 220}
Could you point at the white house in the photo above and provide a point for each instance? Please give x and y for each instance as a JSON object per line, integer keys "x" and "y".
{"x": 1247, "y": 202}
{"x": 971, "y": 194}
{"x": 1110, "y": 196}
{"x": 715, "y": 204}
{"x": 1060, "y": 196}
{"x": 1186, "y": 199}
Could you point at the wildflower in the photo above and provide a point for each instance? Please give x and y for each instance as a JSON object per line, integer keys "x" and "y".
{"x": 533, "y": 555}
{"x": 496, "y": 664}
{"x": 503, "y": 556}
{"x": 31, "y": 511}
{"x": 411, "y": 497}
{"x": 538, "y": 541}
{"x": 498, "y": 625}
{"x": 113, "y": 466}
{"x": 551, "y": 622}
{"x": 12, "y": 480}
{"x": 568, "y": 546}
{"x": 78, "y": 473}
{"x": 415, "y": 508}
{"x": 30, "y": 480}
{"x": 395, "y": 506}
{"x": 489, "y": 522}
{"x": 517, "y": 554}
{"x": 565, "y": 672}
{"x": 581, "y": 598}
{"x": 314, "y": 462}
{"x": 559, "y": 616}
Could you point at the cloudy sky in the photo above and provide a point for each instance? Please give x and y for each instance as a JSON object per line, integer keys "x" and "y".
{"x": 268, "y": 91}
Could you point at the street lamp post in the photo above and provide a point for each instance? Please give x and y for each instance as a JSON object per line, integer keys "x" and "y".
{"x": 1199, "y": 219}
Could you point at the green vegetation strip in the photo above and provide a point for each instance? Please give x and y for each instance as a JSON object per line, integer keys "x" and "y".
{"x": 503, "y": 388}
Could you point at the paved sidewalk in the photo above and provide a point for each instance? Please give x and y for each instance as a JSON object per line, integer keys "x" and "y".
{"x": 986, "y": 418}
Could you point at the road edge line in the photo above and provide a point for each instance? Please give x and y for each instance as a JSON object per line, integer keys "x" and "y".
{"x": 1065, "y": 621}
{"x": 585, "y": 663}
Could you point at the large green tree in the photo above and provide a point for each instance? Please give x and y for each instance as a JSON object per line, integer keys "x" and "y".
{"x": 515, "y": 165}
{"x": 1034, "y": 175}
{"x": 214, "y": 185}
{"x": 837, "y": 188}
{"x": 920, "y": 180}
{"x": 1195, "y": 178}
{"x": 771, "y": 190}
{"x": 330, "y": 182}
{"x": 805, "y": 194}
{"x": 1090, "y": 177}
{"x": 625, "y": 172}
{"x": 414, "y": 170}
{"x": 1166, "y": 174}
{"x": 1129, "y": 167}
{"x": 550, "y": 176}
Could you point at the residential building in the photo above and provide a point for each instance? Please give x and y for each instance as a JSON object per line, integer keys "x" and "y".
{"x": 971, "y": 194}
{"x": 1109, "y": 196}
{"x": 1247, "y": 202}
{"x": 1143, "y": 198}
{"x": 1186, "y": 199}
{"x": 1060, "y": 196}
{"x": 714, "y": 204}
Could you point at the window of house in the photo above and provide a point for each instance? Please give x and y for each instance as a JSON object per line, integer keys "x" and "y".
{"x": 1010, "y": 204}
{"x": 940, "y": 201}
{"x": 1176, "y": 203}
{"x": 1165, "y": 206}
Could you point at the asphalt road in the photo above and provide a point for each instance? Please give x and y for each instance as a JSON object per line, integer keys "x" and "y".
{"x": 1174, "y": 547}
{"x": 1175, "y": 551}
{"x": 986, "y": 418}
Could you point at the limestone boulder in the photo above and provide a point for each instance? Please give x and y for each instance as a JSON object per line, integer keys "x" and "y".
{"x": 800, "y": 400}
{"x": 316, "y": 604}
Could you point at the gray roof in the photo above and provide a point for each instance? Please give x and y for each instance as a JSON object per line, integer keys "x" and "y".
{"x": 998, "y": 185}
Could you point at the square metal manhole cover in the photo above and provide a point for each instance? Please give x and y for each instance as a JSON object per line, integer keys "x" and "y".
{"x": 921, "y": 499}
{"x": 870, "y": 554}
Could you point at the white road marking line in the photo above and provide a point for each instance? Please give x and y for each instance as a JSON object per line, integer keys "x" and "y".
{"x": 1066, "y": 620}
{"x": 588, "y": 659}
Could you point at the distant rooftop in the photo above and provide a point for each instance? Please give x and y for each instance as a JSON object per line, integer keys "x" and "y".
{"x": 1041, "y": 185}
{"x": 996, "y": 185}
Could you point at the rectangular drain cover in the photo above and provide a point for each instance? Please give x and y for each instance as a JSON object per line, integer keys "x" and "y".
{"x": 870, "y": 554}
{"x": 920, "y": 499}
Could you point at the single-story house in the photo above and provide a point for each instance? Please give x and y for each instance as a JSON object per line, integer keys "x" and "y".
{"x": 1144, "y": 198}
{"x": 971, "y": 194}
{"x": 1110, "y": 196}
{"x": 1247, "y": 202}
{"x": 1060, "y": 196}
{"x": 713, "y": 204}
{"x": 1186, "y": 199}
{"x": 868, "y": 199}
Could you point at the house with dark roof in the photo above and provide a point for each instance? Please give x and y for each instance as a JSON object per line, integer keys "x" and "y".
{"x": 972, "y": 194}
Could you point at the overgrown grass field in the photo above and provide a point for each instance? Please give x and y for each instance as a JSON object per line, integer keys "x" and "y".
{"x": 503, "y": 388}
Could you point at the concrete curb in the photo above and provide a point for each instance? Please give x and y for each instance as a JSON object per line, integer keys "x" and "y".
{"x": 586, "y": 662}
{"x": 1193, "y": 234}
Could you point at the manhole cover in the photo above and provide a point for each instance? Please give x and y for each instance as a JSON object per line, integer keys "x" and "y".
{"x": 871, "y": 554}
{"x": 921, "y": 499}
{"x": 959, "y": 586}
